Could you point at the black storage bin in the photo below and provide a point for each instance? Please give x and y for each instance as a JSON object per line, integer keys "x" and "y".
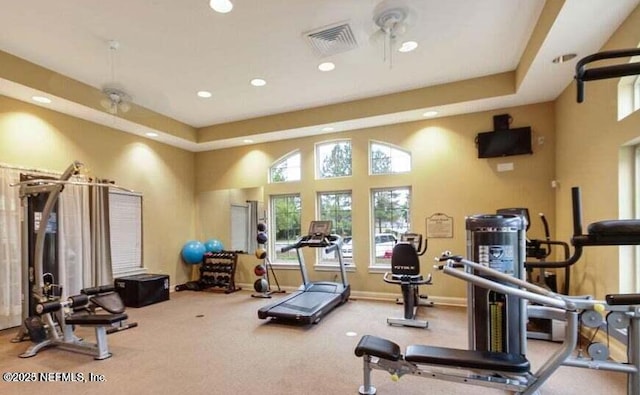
{"x": 143, "y": 289}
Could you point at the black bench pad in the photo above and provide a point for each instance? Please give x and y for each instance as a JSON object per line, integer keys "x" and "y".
{"x": 95, "y": 319}
{"x": 612, "y": 232}
{"x": 111, "y": 302}
{"x": 378, "y": 347}
{"x": 470, "y": 359}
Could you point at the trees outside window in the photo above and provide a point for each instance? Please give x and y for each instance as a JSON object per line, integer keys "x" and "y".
{"x": 285, "y": 225}
{"x": 387, "y": 159}
{"x": 286, "y": 169}
{"x": 336, "y": 207}
{"x": 333, "y": 159}
{"x": 390, "y": 218}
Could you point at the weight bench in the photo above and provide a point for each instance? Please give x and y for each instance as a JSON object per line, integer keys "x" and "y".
{"x": 501, "y": 370}
{"x": 47, "y": 332}
{"x": 106, "y": 298}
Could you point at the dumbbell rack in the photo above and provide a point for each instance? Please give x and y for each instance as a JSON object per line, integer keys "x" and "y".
{"x": 218, "y": 270}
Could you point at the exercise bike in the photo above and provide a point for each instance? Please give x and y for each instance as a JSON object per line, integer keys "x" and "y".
{"x": 405, "y": 271}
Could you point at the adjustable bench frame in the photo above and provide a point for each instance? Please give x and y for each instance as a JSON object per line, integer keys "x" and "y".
{"x": 500, "y": 370}
{"x": 59, "y": 332}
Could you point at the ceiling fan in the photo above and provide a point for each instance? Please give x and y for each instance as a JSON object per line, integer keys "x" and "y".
{"x": 393, "y": 18}
{"x": 116, "y": 101}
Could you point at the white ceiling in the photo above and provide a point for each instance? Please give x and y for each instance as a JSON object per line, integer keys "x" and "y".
{"x": 171, "y": 49}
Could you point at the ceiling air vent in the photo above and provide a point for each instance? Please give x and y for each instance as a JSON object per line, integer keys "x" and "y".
{"x": 332, "y": 39}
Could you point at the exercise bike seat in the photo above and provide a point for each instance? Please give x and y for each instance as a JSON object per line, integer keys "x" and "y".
{"x": 404, "y": 260}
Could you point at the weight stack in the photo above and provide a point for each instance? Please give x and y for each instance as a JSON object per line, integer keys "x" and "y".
{"x": 497, "y": 322}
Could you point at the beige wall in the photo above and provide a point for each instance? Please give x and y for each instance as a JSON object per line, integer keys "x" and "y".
{"x": 582, "y": 146}
{"x": 34, "y": 137}
{"x": 589, "y": 148}
{"x": 447, "y": 177}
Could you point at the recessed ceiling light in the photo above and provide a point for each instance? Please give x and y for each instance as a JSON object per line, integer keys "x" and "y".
{"x": 204, "y": 94}
{"x": 221, "y": 6}
{"x": 41, "y": 99}
{"x": 430, "y": 114}
{"x": 564, "y": 58}
{"x": 258, "y": 82}
{"x": 326, "y": 66}
{"x": 408, "y": 46}
{"x": 327, "y": 129}
{"x": 247, "y": 141}
{"x": 151, "y": 134}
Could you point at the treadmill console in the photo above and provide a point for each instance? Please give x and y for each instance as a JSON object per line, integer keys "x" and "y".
{"x": 319, "y": 232}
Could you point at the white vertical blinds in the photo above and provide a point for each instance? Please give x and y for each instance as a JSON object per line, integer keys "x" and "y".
{"x": 239, "y": 228}
{"x": 125, "y": 222}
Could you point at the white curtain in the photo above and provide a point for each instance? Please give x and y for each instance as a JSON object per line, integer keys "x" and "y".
{"x": 101, "y": 268}
{"x": 77, "y": 267}
{"x": 10, "y": 251}
{"x": 74, "y": 241}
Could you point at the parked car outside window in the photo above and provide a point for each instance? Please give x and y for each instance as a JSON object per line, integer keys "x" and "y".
{"x": 384, "y": 243}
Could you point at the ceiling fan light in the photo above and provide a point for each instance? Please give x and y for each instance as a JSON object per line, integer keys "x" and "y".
{"x": 221, "y": 6}
{"x": 408, "y": 46}
{"x": 41, "y": 99}
{"x": 326, "y": 66}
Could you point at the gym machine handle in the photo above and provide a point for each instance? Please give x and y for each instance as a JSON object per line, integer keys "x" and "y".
{"x": 450, "y": 260}
{"x": 604, "y": 72}
{"x": 508, "y": 284}
{"x": 336, "y": 244}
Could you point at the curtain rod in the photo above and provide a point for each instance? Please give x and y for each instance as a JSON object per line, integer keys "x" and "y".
{"x": 22, "y": 168}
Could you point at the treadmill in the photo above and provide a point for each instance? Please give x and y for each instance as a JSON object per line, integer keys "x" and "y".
{"x": 313, "y": 299}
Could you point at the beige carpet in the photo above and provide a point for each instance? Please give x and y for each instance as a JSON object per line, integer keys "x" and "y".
{"x": 230, "y": 351}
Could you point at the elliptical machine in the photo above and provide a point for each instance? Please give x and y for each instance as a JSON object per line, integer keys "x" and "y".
{"x": 405, "y": 271}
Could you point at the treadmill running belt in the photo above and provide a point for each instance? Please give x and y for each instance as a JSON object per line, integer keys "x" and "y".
{"x": 307, "y": 302}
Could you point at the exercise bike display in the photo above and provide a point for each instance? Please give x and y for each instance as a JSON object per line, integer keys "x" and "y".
{"x": 405, "y": 271}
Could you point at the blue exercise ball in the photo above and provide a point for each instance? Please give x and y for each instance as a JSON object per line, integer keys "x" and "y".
{"x": 193, "y": 252}
{"x": 213, "y": 245}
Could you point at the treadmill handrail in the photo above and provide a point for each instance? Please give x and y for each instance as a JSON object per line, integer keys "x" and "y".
{"x": 331, "y": 242}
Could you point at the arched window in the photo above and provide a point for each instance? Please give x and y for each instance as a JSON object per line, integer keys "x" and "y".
{"x": 333, "y": 159}
{"x": 388, "y": 159}
{"x": 286, "y": 169}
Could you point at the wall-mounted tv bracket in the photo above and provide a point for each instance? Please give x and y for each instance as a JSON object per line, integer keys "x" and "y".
{"x": 604, "y": 72}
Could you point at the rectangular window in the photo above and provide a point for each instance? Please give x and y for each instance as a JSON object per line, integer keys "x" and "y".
{"x": 390, "y": 217}
{"x": 336, "y": 207}
{"x": 125, "y": 224}
{"x": 285, "y": 226}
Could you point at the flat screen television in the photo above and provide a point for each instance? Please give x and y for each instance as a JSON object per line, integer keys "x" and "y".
{"x": 504, "y": 143}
